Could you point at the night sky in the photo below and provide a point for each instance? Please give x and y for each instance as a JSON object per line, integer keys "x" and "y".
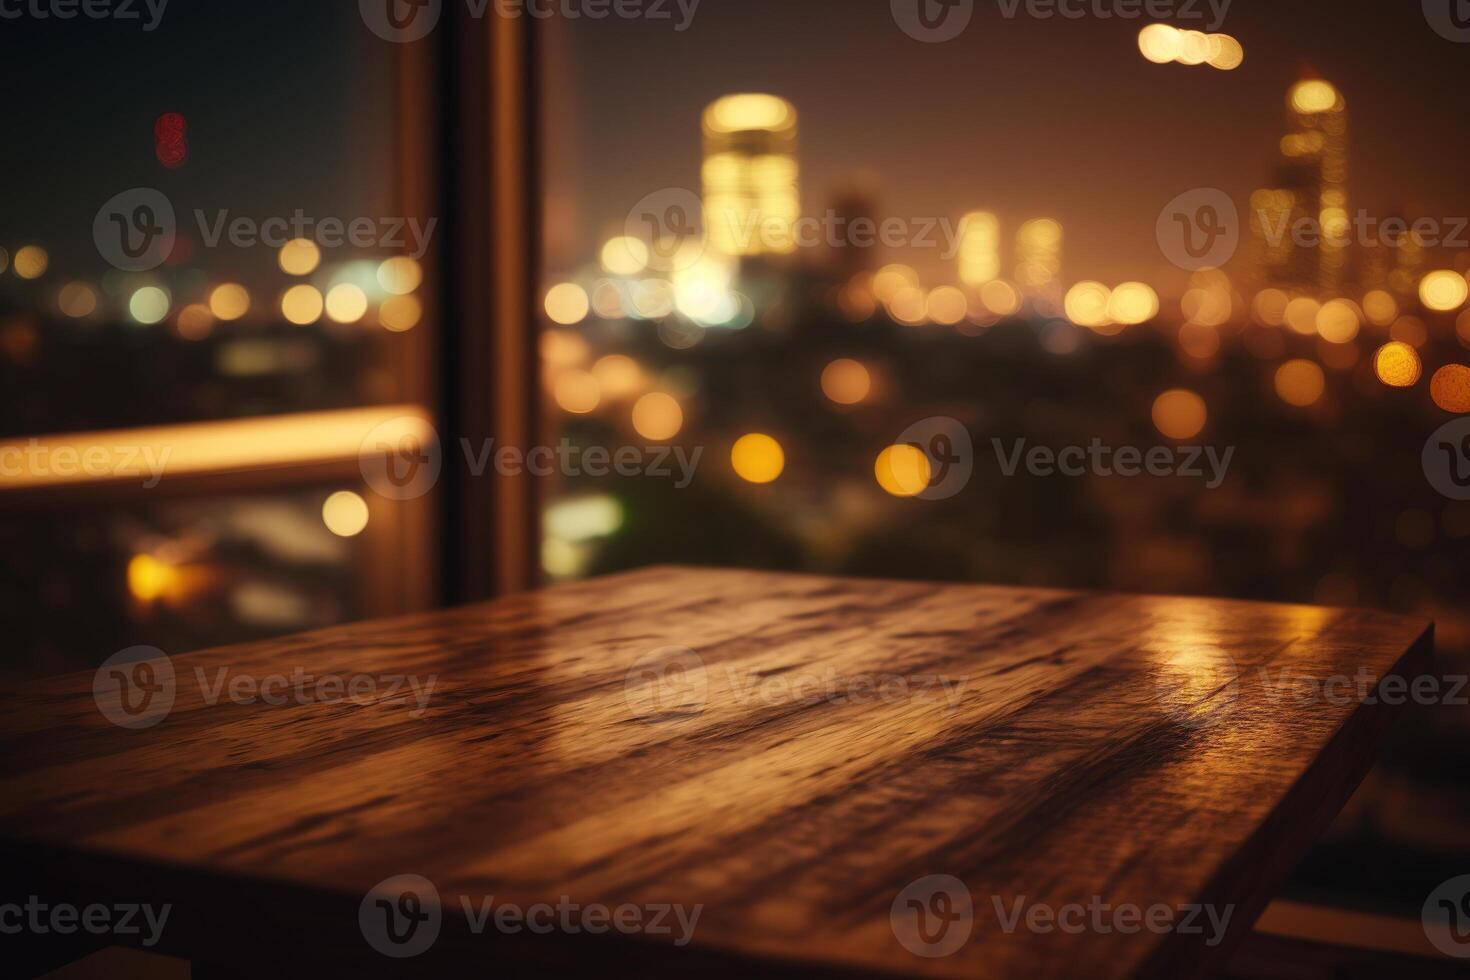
{"x": 288, "y": 107}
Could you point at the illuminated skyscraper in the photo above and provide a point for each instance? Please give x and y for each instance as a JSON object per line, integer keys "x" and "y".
{"x": 1315, "y": 151}
{"x": 751, "y": 199}
{"x": 979, "y": 256}
{"x": 1039, "y": 257}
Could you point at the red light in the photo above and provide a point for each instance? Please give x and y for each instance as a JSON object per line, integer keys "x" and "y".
{"x": 170, "y": 144}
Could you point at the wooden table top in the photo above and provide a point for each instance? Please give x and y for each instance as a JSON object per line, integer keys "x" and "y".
{"x": 797, "y": 756}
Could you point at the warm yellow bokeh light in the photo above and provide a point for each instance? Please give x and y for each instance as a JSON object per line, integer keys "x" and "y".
{"x": 946, "y": 305}
{"x": 1397, "y": 365}
{"x": 846, "y": 381}
{"x": 1226, "y": 53}
{"x": 1269, "y": 306}
{"x": 1450, "y": 388}
{"x": 302, "y": 305}
{"x": 229, "y": 301}
{"x": 77, "y": 300}
{"x": 1301, "y": 315}
{"x": 658, "y": 416}
{"x": 31, "y": 261}
{"x": 195, "y": 322}
{"x": 400, "y": 275}
{"x": 908, "y": 306}
{"x": 346, "y": 302}
{"x": 1300, "y": 383}
{"x": 567, "y": 303}
{"x": 400, "y": 313}
{"x": 299, "y": 257}
{"x": 1380, "y": 308}
{"x": 618, "y": 375}
{"x": 903, "y": 471}
{"x": 749, "y": 111}
{"x": 1337, "y": 321}
{"x": 1444, "y": 290}
{"x": 757, "y": 458}
{"x": 149, "y": 305}
{"x": 1180, "y": 414}
{"x": 150, "y": 579}
{"x": 345, "y": 514}
{"x": 1160, "y": 43}
{"x": 625, "y": 256}
{"x": 1133, "y": 303}
{"x": 1313, "y": 96}
{"x": 1000, "y": 298}
{"x": 577, "y": 392}
{"x": 1086, "y": 304}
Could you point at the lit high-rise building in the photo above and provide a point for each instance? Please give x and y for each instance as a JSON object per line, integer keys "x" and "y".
{"x": 1039, "y": 256}
{"x": 751, "y": 199}
{"x": 1316, "y": 150}
{"x": 979, "y": 256}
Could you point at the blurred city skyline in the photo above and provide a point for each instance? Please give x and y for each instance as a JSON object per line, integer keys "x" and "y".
{"x": 1001, "y": 119}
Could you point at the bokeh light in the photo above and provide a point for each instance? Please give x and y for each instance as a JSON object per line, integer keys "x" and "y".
{"x": 345, "y": 514}
{"x": 567, "y": 303}
{"x": 346, "y": 302}
{"x": 1450, "y": 388}
{"x": 846, "y": 381}
{"x": 1300, "y": 383}
{"x": 625, "y": 256}
{"x": 400, "y": 275}
{"x": 302, "y": 305}
{"x": 77, "y": 300}
{"x": 757, "y": 458}
{"x": 31, "y": 262}
{"x": 299, "y": 257}
{"x": 903, "y": 470}
{"x": 229, "y": 301}
{"x": 1444, "y": 290}
{"x": 149, "y": 305}
{"x": 658, "y": 416}
{"x": 400, "y": 313}
{"x": 1397, "y": 365}
{"x": 1180, "y": 414}
{"x": 577, "y": 392}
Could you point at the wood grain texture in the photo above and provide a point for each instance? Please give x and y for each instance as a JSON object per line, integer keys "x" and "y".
{"x": 819, "y": 745}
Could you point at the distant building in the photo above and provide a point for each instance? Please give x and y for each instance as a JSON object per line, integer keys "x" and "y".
{"x": 751, "y": 191}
